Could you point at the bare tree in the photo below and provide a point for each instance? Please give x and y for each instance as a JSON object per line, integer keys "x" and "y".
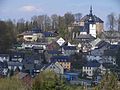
{"x": 69, "y": 18}
{"x": 54, "y": 19}
{"x": 111, "y": 24}
{"x": 118, "y": 21}
{"x": 77, "y": 16}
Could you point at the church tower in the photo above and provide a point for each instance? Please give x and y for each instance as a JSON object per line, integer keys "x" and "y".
{"x": 92, "y": 24}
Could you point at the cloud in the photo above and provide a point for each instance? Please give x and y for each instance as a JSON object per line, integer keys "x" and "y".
{"x": 30, "y": 8}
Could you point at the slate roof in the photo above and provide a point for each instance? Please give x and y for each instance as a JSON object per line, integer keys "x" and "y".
{"x": 36, "y": 30}
{"x": 16, "y": 55}
{"x": 48, "y": 34}
{"x": 102, "y": 44}
{"x": 93, "y": 64}
{"x": 60, "y": 58}
{"x": 10, "y": 63}
{"x": 114, "y": 47}
{"x": 108, "y": 65}
{"x": 54, "y": 52}
{"x": 3, "y": 64}
{"x": 87, "y": 36}
{"x": 28, "y": 60}
{"x": 87, "y": 17}
{"x": 31, "y": 32}
{"x": 110, "y": 52}
{"x": 4, "y": 55}
{"x": 91, "y": 18}
{"x": 69, "y": 47}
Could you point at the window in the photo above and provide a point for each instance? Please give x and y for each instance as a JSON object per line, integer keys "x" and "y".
{"x": 90, "y": 72}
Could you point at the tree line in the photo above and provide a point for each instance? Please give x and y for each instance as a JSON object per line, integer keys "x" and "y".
{"x": 113, "y": 22}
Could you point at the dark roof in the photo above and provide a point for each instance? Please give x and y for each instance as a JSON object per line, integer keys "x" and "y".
{"x": 4, "y": 55}
{"x": 47, "y": 65}
{"x": 54, "y": 52}
{"x": 91, "y": 18}
{"x": 110, "y": 52}
{"x": 29, "y": 66}
{"x": 49, "y": 34}
{"x": 10, "y": 63}
{"x": 108, "y": 65}
{"x": 111, "y": 35}
{"x": 114, "y": 47}
{"x": 3, "y": 64}
{"x": 103, "y": 44}
{"x": 31, "y": 32}
{"x": 28, "y": 60}
{"x": 36, "y": 30}
{"x": 69, "y": 47}
{"x": 94, "y": 17}
{"x": 16, "y": 55}
{"x": 60, "y": 58}
{"x": 93, "y": 64}
{"x": 38, "y": 67}
{"x": 37, "y": 48}
{"x": 85, "y": 36}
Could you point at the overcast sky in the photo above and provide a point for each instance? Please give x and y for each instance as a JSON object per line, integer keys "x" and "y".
{"x": 15, "y": 9}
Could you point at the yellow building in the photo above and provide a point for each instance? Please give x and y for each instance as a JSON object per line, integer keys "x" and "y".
{"x": 66, "y": 65}
{"x": 63, "y": 61}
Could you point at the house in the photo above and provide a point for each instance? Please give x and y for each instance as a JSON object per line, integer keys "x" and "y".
{"x": 3, "y": 68}
{"x": 49, "y": 34}
{"x": 14, "y": 65}
{"x": 32, "y": 63}
{"x": 113, "y": 37}
{"x": 4, "y": 57}
{"x": 54, "y": 52}
{"x": 16, "y": 56}
{"x": 69, "y": 50}
{"x": 95, "y": 42}
{"x": 110, "y": 57}
{"x": 89, "y": 24}
{"x": 37, "y": 68}
{"x": 32, "y": 35}
{"x": 29, "y": 64}
{"x": 91, "y": 67}
{"x": 64, "y": 61}
{"x": 38, "y": 49}
{"x": 85, "y": 40}
{"x": 94, "y": 57}
{"x": 54, "y": 66}
{"x": 31, "y": 45}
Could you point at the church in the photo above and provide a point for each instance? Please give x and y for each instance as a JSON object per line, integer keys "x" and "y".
{"x": 89, "y": 24}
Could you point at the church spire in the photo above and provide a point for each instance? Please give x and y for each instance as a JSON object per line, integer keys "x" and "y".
{"x": 90, "y": 10}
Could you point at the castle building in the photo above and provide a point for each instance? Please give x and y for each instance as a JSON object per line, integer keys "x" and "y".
{"x": 89, "y": 24}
